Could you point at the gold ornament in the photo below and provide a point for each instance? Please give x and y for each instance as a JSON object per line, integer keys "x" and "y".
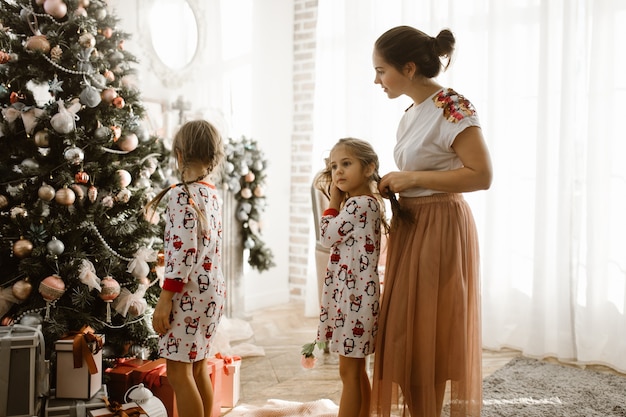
{"x": 42, "y": 139}
{"x": 65, "y": 196}
{"x": 46, "y": 192}
{"x": 87, "y": 40}
{"x": 3, "y": 201}
{"x": 22, "y": 248}
{"x": 22, "y": 289}
{"x": 38, "y": 43}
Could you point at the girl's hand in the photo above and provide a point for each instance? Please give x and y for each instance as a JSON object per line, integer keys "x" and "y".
{"x": 336, "y": 196}
{"x": 161, "y": 316}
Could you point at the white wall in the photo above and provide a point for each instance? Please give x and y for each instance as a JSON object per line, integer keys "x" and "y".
{"x": 270, "y": 123}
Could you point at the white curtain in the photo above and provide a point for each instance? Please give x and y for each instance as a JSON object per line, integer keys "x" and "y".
{"x": 548, "y": 79}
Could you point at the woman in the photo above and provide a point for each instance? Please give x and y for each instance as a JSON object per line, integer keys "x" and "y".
{"x": 429, "y": 325}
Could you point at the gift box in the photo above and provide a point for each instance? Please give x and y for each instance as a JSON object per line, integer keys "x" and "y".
{"x": 154, "y": 377}
{"x": 119, "y": 377}
{"x": 79, "y": 365}
{"x": 23, "y": 371}
{"x": 230, "y": 386}
{"x": 130, "y": 409}
{"x": 216, "y": 366}
{"x": 62, "y": 407}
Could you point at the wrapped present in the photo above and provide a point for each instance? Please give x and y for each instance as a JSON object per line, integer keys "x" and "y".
{"x": 118, "y": 378}
{"x": 79, "y": 364}
{"x": 63, "y": 407}
{"x": 231, "y": 380}
{"x": 23, "y": 370}
{"x": 216, "y": 366}
{"x": 154, "y": 377}
{"x": 115, "y": 409}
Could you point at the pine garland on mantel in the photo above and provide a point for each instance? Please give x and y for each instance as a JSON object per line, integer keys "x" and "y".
{"x": 244, "y": 176}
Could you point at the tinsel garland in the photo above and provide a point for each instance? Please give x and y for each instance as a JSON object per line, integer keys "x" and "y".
{"x": 244, "y": 175}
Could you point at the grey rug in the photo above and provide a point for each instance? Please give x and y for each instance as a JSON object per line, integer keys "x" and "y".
{"x": 531, "y": 388}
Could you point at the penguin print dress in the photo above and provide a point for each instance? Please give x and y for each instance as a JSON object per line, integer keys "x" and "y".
{"x": 193, "y": 272}
{"x": 351, "y": 290}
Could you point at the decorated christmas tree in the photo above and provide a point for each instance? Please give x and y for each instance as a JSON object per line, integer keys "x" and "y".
{"x": 77, "y": 166}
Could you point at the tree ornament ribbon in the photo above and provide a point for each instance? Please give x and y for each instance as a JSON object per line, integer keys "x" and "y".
{"x": 139, "y": 267}
{"x": 87, "y": 275}
{"x": 122, "y": 410}
{"x": 85, "y": 344}
{"x": 29, "y": 115}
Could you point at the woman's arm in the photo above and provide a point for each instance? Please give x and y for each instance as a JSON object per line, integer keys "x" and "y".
{"x": 475, "y": 174}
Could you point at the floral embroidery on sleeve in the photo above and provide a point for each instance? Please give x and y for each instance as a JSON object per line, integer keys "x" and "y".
{"x": 455, "y": 106}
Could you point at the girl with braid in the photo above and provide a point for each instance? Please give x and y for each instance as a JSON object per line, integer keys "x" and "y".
{"x": 351, "y": 228}
{"x": 190, "y": 306}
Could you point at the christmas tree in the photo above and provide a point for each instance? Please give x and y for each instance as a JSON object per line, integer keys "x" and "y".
{"x": 77, "y": 166}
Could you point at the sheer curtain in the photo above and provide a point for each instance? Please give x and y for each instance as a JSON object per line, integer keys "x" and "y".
{"x": 547, "y": 79}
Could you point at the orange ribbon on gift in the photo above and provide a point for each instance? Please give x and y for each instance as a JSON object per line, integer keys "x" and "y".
{"x": 117, "y": 409}
{"x": 81, "y": 349}
{"x": 153, "y": 377}
{"x": 227, "y": 361}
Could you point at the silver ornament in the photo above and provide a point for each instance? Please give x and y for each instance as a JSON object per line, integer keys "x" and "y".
{"x": 74, "y": 155}
{"x": 55, "y": 247}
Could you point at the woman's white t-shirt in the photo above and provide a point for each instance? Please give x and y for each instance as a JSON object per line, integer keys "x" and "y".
{"x": 426, "y": 133}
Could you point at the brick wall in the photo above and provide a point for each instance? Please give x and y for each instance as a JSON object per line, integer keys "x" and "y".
{"x": 305, "y": 19}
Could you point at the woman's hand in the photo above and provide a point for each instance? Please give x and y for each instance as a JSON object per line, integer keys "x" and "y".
{"x": 162, "y": 310}
{"x": 395, "y": 182}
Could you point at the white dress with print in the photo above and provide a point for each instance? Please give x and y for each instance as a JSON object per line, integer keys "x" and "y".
{"x": 351, "y": 291}
{"x": 193, "y": 259}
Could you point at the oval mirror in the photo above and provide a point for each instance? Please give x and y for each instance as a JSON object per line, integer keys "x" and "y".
{"x": 173, "y": 32}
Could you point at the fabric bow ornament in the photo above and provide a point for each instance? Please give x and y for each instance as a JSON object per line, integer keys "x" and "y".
{"x": 127, "y": 299}
{"x": 139, "y": 267}
{"x": 87, "y": 275}
{"x": 30, "y": 115}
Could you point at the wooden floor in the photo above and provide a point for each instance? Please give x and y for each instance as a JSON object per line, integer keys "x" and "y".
{"x": 281, "y": 331}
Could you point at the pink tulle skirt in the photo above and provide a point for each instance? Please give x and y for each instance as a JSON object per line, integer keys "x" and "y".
{"x": 429, "y": 324}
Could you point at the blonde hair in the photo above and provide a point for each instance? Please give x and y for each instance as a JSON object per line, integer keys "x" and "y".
{"x": 364, "y": 152}
{"x": 197, "y": 141}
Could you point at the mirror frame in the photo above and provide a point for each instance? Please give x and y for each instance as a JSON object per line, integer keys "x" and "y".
{"x": 169, "y": 77}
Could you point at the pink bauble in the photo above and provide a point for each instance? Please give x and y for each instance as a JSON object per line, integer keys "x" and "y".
{"x": 108, "y": 94}
{"x": 52, "y": 288}
{"x": 65, "y": 196}
{"x": 249, "y": 177}
{"x": 55, "y": 8}
{"x": 7, "y": 321}
{"x": 124, "y": 178}
{"x": 128, "y": 142}
{"x": 110, "y": 288}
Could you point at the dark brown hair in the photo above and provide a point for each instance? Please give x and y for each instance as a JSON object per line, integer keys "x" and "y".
{"x": 403, "y": 44}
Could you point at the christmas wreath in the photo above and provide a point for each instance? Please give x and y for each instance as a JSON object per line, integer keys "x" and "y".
{"x": 244, "y": 176}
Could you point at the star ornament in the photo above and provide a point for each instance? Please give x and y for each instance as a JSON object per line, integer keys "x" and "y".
{"x": 55, "y": 85}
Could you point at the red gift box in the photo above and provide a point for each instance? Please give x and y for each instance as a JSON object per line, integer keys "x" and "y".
{"x": 118, "y": 378}
{"x": 153, "y": 376}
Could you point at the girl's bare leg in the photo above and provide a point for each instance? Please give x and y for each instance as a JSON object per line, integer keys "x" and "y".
{"x": 351, "y": 371}
{"x": 203, "y": 381}
{"x": 188, "y": 399}
{"x": 366, "y": 393}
